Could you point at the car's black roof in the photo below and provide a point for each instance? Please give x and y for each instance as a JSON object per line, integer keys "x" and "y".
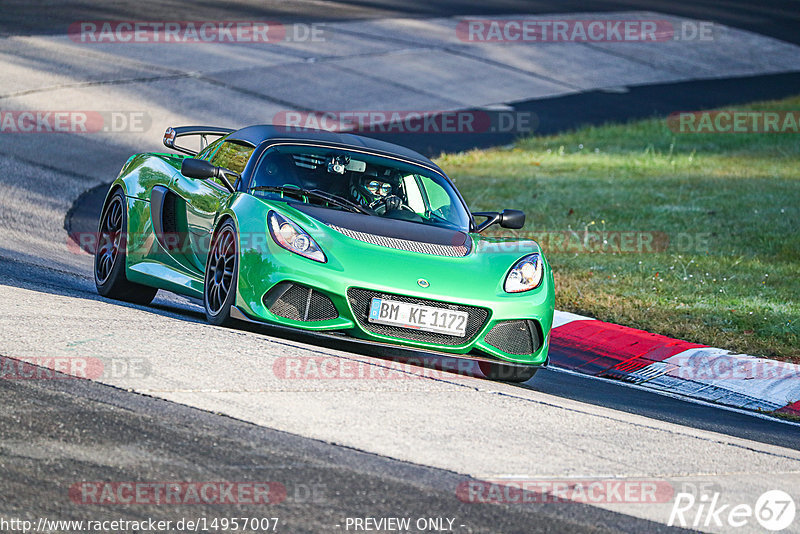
{"x": 255, "y": 135}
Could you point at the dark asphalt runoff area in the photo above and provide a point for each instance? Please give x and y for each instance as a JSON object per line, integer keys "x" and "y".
{"x": 55, "y": 434}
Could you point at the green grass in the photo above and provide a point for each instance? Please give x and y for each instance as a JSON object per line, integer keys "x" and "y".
{"x": 786, "y": 416}
{"x": 724, "y": 210}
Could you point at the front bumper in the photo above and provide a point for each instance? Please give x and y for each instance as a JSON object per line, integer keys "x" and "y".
{"x": 258, "y": 275}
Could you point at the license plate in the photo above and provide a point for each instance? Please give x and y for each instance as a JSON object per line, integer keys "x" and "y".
{"x": 418, "y": 317}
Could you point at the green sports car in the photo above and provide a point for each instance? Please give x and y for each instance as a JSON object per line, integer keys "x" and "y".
{"x": 325, "y": 232}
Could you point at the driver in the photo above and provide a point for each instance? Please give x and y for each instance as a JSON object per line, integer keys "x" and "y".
{"x": 373, "y": 192}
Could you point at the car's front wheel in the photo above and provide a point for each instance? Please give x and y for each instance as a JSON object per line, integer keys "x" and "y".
{"x": 222, "y": 269}
{"x": 109, "y": 258}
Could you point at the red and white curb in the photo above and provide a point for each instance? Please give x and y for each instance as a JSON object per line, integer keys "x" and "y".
{"x": 585, "y": 345}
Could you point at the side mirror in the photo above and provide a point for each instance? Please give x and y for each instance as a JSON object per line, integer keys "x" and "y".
{"x": 512, "y": 219}
{"x": 203, "y": 170}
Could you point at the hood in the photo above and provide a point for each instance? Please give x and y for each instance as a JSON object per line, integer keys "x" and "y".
{"x": 392, "y": 233}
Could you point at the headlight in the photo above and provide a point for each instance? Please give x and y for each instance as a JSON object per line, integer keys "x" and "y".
{"x": 293, "y": 238}
{"x": 525, "y": 275}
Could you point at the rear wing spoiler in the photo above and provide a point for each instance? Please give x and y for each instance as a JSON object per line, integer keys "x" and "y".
{"x": 172, "y": 135}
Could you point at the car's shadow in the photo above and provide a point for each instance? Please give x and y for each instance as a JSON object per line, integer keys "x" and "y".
{"x": 28, "y": 275}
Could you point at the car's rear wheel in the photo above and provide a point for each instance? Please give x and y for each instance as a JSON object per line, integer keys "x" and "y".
{"x": 222, "y": 269}
{"x": 507, "y": 373}
{"x": 109, "y": 258}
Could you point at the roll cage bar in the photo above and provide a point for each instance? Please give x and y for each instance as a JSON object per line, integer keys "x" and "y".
{"x": 171, "y": 135}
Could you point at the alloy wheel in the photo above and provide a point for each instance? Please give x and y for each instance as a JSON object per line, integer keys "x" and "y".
{"x": 109, "y": 242}
{"x": 221, "y": 264}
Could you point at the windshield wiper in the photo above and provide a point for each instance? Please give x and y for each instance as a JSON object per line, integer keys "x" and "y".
{"x": 341, "y": 200}
{"x": 314, "y": 193}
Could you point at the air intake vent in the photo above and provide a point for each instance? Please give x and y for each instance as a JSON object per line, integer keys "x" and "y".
{"x": 515, "y": 337}
{"x": 299, "y": 303}
{"x": 404, "y": 244}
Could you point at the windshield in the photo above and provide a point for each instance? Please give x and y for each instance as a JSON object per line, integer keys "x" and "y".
{"x": 379, "y": 186}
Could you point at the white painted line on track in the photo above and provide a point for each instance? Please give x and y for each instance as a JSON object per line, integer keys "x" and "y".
{"x": 679, "y": 397}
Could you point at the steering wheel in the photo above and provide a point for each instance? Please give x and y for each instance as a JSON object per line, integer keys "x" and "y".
{"x": 389, "y": 203}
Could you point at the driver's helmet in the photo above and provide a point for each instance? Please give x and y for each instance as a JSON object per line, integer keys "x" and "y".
{"x": 369, "y": 187}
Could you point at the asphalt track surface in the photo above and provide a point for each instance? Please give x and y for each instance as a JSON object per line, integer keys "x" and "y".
{"x": 55, "y": 432}
{"x": 776, "y": 18}
{"x": 596, "y": 391}
{"x": 563, "y": 113}
{"x": 113, "y": 435}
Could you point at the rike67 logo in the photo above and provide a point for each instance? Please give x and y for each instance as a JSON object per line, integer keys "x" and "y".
{"x": 774, "y": 510}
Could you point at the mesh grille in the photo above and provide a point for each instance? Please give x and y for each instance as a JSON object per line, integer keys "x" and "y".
{"x": 514, "y": 337}
{"x": 299, "y": 303}
{"x": 360, "y": 300}
{"x": 171, "y": 238}
{"x": 404, "y": 244}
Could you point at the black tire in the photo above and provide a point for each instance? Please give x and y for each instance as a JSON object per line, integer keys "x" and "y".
{"x": 222, "y": 274}
{"x": 109, "y": 258}
{"x": 507, "y": 373}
